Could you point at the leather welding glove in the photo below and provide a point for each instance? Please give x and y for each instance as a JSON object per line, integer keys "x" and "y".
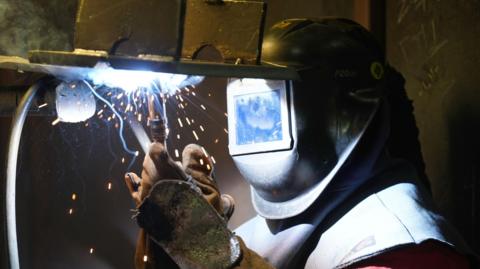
{"x": 197, "y": 164}
{"x": 197, "y": 167}
{"x": 157, "y": 165}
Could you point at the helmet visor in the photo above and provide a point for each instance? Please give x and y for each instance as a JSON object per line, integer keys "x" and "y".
{"x": 258, "y": 119}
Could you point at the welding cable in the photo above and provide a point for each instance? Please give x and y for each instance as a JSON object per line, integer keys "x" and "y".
{"x": 120, "y": 120}
{"x": 18, "y": 122}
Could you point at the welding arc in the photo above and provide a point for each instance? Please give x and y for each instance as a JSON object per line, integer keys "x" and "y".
{"x": 116, "y": 113}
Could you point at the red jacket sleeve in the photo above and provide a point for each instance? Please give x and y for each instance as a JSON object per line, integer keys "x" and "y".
{"x": 430, "y": 254}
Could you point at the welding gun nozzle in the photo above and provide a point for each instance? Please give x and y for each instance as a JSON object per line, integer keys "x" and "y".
{"x": 158, "y": 130}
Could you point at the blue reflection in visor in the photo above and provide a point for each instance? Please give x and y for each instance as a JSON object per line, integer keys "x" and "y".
{"x": 258, "y": 117}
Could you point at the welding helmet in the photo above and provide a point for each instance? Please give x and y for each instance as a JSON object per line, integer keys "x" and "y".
{"x": 289, "y": 138}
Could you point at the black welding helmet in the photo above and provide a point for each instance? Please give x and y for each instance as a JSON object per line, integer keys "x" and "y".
{"x": 289, "y": 138}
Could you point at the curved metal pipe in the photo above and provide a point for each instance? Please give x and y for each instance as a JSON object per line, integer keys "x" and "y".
{"x": 15, "y": 136}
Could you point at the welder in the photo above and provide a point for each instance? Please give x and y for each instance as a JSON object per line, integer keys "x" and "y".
{"x": 328, "y": 191}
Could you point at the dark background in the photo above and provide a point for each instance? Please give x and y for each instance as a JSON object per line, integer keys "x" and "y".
{"x": 433, "y": 43}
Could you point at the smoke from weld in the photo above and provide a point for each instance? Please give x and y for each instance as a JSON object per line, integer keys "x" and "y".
{"x": 36, "y": 24}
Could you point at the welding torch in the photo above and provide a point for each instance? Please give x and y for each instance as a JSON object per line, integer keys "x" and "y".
{"x": 159, "y": 134}
{"x": 158, "y": 130}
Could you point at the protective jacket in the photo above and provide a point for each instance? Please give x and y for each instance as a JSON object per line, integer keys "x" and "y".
{"x": 390, "y": 211}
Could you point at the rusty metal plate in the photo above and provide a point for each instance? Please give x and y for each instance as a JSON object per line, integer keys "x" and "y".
{"x": 148, "y": 37}
{"x": 235, "y": 28}
{"x": 137, "y": 27}
{"x": 67, "y": 64}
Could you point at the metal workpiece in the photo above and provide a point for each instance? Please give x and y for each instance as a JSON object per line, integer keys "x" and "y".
{"x": 81, "y": 63}
{"x": 12, "y": 158}
{"x": 234, "y": 28}
{"x": 130, "y": 28}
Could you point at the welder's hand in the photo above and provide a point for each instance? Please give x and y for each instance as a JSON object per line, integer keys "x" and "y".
{"x": 197, "y": 168}
{"x": 157, "y": 165}
{"x": 195, "y": 164}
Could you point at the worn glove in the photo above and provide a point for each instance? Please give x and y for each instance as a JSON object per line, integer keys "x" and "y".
{"x": 196, "y": 168}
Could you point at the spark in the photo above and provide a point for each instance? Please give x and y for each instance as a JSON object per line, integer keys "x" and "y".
{"x": 225, "y": 130}
{"x": 195, "y": 134}
{"x": 188, "y": 120}
{"x": 213, "y": 160}
{"x": 100, "y": 112}
{"x": 123, "y": 159}
{"x": 43, "y": 105}
{"x": 216, "y": 141}
{"x": 91, "y": 250}
{"x": 180, "y": 122}
{"x": 201, "y": 161}
{"x": 178, "y": 136}
{"x": 176, "y": 153}
{"x": 180, "y": 97}
{"x": 226, "y": 115}
{"x": 55, "y": 122}
{"x": 204, "y": 151}
{"x": 201, "y": 128}
{"x": 109, "y": 186}
{"x": 74, "y": 196}
{"x": 86, "y": 124}
{"x": 119, "y": 96}
{"x": 70, "y": 211}
{"x": 208, "y": 167}
{"x": 145, "y": 258}
{"x": 139, "y": 117}
{"x": 203, "y": 107}
{"x": 194, "y": 94}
